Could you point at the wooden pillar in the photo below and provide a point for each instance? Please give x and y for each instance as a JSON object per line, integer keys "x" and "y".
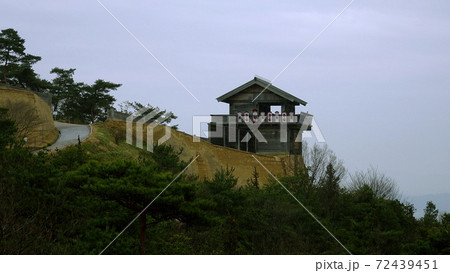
{"x": 256, "y": 144}
{"x": 224, "y": 135}
{"x": 288, "y": 141}
{"x": 246, "y": 145}
{"x": 239, "y": 139}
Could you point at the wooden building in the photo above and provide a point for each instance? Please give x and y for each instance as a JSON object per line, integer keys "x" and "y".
{"x": 261, "y": 119}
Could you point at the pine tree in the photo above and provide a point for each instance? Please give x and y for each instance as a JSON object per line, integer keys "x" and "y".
{"x": 16, "y": 64}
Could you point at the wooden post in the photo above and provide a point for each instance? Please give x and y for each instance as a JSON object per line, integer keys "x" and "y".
{"x": 224, "y": 134}
{"x": 239, "y": 138}
{"x": 246, "y": 144}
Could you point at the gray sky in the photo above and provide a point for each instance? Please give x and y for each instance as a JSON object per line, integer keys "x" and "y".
{"x": 376, "y": 81}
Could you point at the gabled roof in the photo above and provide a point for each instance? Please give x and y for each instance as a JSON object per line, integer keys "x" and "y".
{"x": 264, "y": 84}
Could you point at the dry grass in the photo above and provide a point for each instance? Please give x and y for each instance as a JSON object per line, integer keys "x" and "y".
{"x": 211, "y": 157}
{"x": 33, "y": 116}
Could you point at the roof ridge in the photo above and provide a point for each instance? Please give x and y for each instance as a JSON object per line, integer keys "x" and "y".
{"x": 266, "y": 85}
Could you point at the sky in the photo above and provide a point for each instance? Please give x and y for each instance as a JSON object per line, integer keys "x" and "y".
{"x": 376, "y": 80}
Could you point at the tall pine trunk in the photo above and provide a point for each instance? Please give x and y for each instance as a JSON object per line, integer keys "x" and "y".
{"x": 4, "y": 74}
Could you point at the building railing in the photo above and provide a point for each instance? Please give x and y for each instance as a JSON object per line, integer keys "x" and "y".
{"x": 255, "y": 117}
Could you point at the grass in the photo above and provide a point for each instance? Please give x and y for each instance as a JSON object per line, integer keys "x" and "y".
{"x": 101, "y": 145}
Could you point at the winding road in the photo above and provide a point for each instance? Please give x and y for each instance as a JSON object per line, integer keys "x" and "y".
{"x": 69, "y": 134}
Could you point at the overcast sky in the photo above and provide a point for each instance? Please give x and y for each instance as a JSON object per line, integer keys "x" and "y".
{"x": 377, "y": 80}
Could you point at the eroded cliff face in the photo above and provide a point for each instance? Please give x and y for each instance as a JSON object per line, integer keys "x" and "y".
{"x": 213, "y": 157}
{"x": 33, "y": 116}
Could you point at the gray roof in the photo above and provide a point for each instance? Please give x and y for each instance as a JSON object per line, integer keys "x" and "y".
{"x": 263, "y": 84}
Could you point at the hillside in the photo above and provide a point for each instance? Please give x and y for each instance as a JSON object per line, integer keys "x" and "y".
{"x": 101, "y": 144}
{"x": 33, "y": 116}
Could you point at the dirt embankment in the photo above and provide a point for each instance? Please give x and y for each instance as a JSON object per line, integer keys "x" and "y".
{"x": 213, "y": 157}
{"x": 33, "y": 116}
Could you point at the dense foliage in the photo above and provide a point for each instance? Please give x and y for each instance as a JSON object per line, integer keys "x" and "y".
{"x": 70, "y": 202}
{"x": 71, "y": 101}
{"x": 73, "y": 202}
{"x": 16, "y": 65}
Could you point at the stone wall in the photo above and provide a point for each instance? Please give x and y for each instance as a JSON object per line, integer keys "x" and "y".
{"x": 112, "y": 114}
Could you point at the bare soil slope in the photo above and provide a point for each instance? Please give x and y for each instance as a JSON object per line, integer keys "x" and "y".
{"x": 33, "y": 116}
{"x": 213, "y": 157}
